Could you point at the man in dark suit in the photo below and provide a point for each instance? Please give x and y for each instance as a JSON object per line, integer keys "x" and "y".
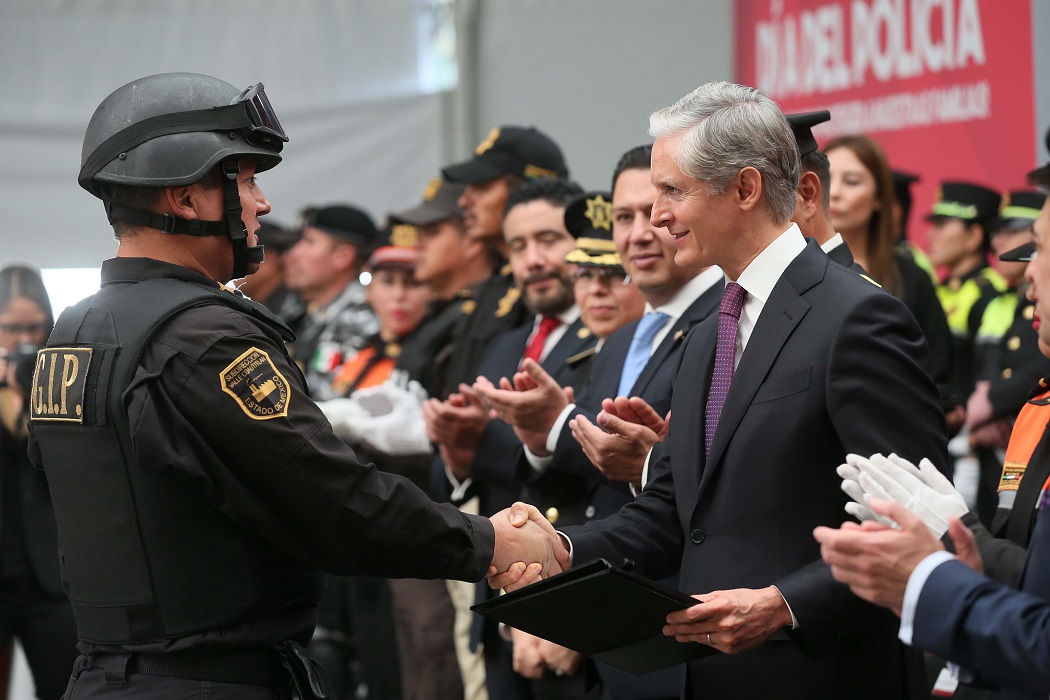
{"x": 805, "y": 363}
{"x": 945, "y": 603}
{"x": 474, "y": 449}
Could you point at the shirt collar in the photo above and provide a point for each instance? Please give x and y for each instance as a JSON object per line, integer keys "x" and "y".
{"x": 130, "y": 270}
{"x": 832, "y": 243}
{"x": 567, "y": 317}
{"x": 690, "y": 292}
{"x": 759, "y": 278}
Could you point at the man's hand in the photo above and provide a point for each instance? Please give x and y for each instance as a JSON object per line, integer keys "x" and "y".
{"x": 620, "y": 450}
{"x": 993, "y": 434}
{"x": 978, "y": 407}
{"x": 563, "y": 661}
{"x": 458, "y": 421}
{"x": 532, "y": 401}
{"x": 528, "y": 660}
{"x": 731, "y": 621}
{"x": 524, "y": 536}
{"x": 923, "y": 489}
{"x": 965, "y": 545}
{"x": 874, "y": 560}
{"x": 954, "y": 420}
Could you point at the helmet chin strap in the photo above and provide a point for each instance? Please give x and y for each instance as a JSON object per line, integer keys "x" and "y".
{"x": 243, "y": 254}
{"x": 231, "y": 225}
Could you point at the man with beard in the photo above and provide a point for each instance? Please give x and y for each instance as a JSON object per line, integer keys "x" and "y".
{"x": 474, "y": 449}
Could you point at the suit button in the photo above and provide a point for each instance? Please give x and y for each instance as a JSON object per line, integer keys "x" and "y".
{"x": 589, "y": 512}
{"x": 1008, "y": 373}
{"x": 697, "y": 536}
{"x": 552, "y": 515}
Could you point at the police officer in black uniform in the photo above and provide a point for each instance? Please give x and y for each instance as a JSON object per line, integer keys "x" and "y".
{"x": 197, "y": 489}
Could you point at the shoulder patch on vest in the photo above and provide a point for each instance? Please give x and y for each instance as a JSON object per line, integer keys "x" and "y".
{"x": 256, "y": 385}
{"x": 58, "y": 385}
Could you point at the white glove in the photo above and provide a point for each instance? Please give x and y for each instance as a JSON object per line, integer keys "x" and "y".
{"x": 396, "y": 427}
{"x": 346, "y": 416}
{"x": 858, "y": 508}
{"x": 923, "y": 490}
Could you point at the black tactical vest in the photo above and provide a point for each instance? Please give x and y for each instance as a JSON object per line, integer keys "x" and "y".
{"x": 145, "y": 554}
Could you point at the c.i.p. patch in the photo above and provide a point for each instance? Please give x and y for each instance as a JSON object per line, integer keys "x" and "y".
{"x": 257, "y": 386}
{"x": 58, "y": 385}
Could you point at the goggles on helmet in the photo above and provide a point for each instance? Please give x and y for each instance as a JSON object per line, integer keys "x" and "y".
{"x": 265, "y": 126}
{"x": 250, "y": 113}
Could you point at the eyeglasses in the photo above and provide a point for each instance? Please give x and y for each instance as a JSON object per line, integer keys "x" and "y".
{"x": 608, "y": 275}
{"x": 24, "y": 328}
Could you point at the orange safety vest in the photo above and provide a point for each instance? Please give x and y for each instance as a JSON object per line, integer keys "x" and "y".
{"x": 1028, "y": 430}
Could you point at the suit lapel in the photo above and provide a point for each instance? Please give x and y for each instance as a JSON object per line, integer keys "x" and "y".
{"x": 577, "y": 338}
{"x": 696, "y": 312}
{"x": 782, "y": 313}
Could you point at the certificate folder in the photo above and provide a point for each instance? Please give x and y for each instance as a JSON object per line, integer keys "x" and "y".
{"x": 603, "y": 611}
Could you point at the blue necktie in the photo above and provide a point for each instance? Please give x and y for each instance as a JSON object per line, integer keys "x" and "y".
{"x": 641, "y": 347}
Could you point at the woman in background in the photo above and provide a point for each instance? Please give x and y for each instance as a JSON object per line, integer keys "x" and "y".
{"x": 33, "y": 606}
{"x": 862, "y": 199}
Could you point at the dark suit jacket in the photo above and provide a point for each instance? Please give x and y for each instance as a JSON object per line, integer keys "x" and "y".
{"x": 844, "y": 256}
{"x": 990, "y": 628}
{"x": 830, "y": 364}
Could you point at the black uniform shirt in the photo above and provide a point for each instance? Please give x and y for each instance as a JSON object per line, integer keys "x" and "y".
{"x": 283, "y": 477}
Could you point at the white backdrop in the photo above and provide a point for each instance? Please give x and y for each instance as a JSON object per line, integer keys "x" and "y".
{"x": 346, "y": 77}
{"x": 357, "y": 84}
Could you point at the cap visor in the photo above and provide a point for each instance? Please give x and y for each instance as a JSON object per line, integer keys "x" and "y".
{"x": 1022, "y": 253}
{"x": 423, "y": 215}
{"x": 1040, "y": 176}
{"x": 472, "y": 172}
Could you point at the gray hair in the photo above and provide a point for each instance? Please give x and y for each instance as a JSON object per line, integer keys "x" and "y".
{"x": 729, "y": 127}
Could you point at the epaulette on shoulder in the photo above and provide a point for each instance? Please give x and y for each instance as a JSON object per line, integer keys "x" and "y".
{"x": 581, "y": 356}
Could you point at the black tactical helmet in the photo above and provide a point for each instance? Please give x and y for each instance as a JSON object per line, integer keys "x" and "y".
{"x": 171, "y": 129}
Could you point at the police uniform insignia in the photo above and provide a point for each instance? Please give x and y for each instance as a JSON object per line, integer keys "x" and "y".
{"x": 468, "y": 306}
{"x": 865, "y": 277}
{"x": 504, "y": 305}
{"x": 599, "y": 212}
{"x": 1013, "y": 343}
{"x": 256, "y": 385}
{"x": 59, "y": 383}
{"x": 584, "y": 332}
{"x": 432, "y": 189}
{"x": 403, "y": 236}
{"x": 393, "y": 350}
{"x": 1029, "y": 313}
{"x": 488, "y": 142}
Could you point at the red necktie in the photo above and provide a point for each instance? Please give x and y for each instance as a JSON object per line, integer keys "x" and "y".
{"x": 535, "y": 347}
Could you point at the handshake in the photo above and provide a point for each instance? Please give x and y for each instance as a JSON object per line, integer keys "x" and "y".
{"x": 527, "y": 548}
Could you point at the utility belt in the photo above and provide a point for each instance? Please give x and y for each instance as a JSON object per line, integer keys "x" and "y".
{"x": 286, "y": 665}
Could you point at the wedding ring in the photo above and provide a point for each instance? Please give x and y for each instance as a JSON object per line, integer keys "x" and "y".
{"x": 709, "y": 642}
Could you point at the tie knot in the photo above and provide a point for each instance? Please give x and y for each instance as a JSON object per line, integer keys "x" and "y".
{"x": 548, "y": 324}
{"x": 732, "y": 300}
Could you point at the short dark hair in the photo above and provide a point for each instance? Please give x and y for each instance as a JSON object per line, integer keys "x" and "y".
{"x": 817, "y": 162}
{"x": 557, "y": 193}
{"x": 638, "y": 158}
{"x": 148, "y": 198}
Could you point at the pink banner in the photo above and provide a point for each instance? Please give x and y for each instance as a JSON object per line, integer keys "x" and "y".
{"x": 946, "y": 86}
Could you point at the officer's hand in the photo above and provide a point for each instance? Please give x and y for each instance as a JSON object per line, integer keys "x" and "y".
{"x": 978, "y": 406}
{"x": 923, "y": 490}
{"x": 524, "y": 536}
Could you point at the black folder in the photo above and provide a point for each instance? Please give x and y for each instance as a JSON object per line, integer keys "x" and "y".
{"x": 603, "y": 611}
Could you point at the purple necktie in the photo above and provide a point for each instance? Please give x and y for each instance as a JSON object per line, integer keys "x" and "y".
{"x": 725, "y": 354}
